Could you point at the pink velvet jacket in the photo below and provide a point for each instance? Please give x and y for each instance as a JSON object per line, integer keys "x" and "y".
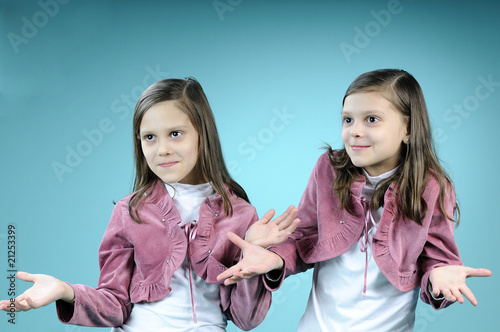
{"x": 404, "y": 251}
{"x": 137, "y": 262}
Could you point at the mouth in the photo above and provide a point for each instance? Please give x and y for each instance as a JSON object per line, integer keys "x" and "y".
{"x": 359, "y": 147}
{"x": 168, "y": 164}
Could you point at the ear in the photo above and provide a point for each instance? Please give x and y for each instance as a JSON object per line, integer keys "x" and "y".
{"x": 406, "y": 139}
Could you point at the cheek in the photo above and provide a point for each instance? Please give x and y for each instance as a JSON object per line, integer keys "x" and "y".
{"x": 399, "y": 138}
{"x": 148, "y": 154}
{"x": 344, "y": 134}
{"x": 194, "y": 149}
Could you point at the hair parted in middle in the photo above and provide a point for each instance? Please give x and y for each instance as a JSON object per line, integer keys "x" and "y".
{"x": 190, "y": 98}
{"x": 417, "y": 160}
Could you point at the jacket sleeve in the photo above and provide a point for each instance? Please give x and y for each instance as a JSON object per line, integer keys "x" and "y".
{"x": 307, "y": 229}
{"x": 440, "y": 248}
{"x": 109, "y": 304}
{"x": 247, "y": 302}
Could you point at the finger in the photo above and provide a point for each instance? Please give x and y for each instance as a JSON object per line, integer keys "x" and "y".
{"x": 22, "y": 304}
{"x": 26, "y": 276}
{"x": 231, "y": 281}
{"x": 458, "y": 295}
{"x": 232, "y": 272}
{"x": 245, "y": 274}
{"x": 4, "y": 305}
{"x": 291, "y": 213}
{"x": 10, "y": 308}
{"x": 29, "y": 303}
{"x": 469, "y": 295}
{"x": 293, "y": 226}
{"x": 279, "y": 219}
{"x": 285, "y": 218}
{"x": 449, "y": 295}
{"x": 242, "y": 244}
{"x": 267, "y": 217}
{"x": 241, "y": 275}
{"x": 435, "y": 291}
{"x": 228, "y": 273}
{"x": 471, "y": 272}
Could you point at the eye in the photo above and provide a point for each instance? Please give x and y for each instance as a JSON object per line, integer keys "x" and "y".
{"x": 175, "y": 134}
{"x": 149, "y": 137}
{"x": 347, "y": 120}
{"x": 372, "y": 119}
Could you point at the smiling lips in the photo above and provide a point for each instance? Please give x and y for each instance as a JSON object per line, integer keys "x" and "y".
{"x": 169, "y": 164}
{"x": 359, "y": 147}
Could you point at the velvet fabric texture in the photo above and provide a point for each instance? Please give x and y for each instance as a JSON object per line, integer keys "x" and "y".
{"x": 137, "y": 261}
{"x": 404, "y": 251}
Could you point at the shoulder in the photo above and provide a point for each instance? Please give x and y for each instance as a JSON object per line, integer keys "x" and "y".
{"x": 239, "y": 204}
{"x": 323, "y": 169}
{"x": 155, "y": 195}
{"x": 434, "y": 186}
{"x": 433, "y": 183}
{"x": 324, "y": 160}
{"x": 126, "y": 199}
{"x": 123, "y": 203}
{"x": 331, "y": 158}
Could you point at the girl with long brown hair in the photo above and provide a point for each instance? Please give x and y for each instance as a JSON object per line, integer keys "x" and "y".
{"x": 166, "y": 242}
{"x": 377, "y": 218}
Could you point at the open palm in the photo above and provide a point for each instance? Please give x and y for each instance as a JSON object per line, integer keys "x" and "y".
{"x": 45, "y": 290}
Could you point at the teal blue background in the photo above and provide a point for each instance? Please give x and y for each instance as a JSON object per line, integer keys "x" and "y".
{"x": 83, "y": 64}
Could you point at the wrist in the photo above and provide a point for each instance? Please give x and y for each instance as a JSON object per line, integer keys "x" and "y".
{"x": 279, "y": 263}
{"x": 275, "y": 275}
{"x": 68, "y": 293}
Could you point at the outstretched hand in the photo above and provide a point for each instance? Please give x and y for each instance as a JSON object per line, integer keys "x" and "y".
{"x": 450, "y": 282}
{"x": 256, "y": 260}
{"x": 266, "y": 232}
{"x": 45, "y": 290}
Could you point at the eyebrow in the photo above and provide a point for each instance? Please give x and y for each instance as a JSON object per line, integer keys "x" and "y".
{"x": 365, "y": 112}
{"x": 169, "y": 129}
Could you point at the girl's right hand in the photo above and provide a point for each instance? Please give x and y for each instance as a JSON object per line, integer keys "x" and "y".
{"x": 449, "y": 280}
{"x": 45, "y": 290}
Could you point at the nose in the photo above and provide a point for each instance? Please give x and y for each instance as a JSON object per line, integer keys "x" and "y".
{"x": 164, "y": 148}
{"x": 356, "y": 129}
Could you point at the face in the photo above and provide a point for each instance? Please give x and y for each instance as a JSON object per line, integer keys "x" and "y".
{"x": 372, "y": 131}
{"x": 170, "y": 144}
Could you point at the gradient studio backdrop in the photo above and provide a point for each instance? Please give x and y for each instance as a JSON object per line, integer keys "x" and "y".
{"x": 275, "y": 73}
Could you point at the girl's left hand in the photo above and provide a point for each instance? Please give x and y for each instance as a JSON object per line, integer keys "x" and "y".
{"x": 256, "y": 260}
{"x": 266, "y": 232}
{"x": 450, "y": 282}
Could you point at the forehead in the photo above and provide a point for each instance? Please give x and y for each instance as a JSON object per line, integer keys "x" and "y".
{"x": 165, "y": 114}
{"x": 363, "y": 102}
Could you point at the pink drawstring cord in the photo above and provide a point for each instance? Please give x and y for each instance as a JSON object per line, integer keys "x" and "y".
{"x": 190, "y": 231}
{"x": 364, "y": 240}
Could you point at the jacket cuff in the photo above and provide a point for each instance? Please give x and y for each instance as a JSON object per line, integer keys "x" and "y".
{"x": 65, "y": 310}
{"x": 426, "y": 294}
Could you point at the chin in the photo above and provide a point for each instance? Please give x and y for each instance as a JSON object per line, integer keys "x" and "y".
{"x": 357, "y": 163}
